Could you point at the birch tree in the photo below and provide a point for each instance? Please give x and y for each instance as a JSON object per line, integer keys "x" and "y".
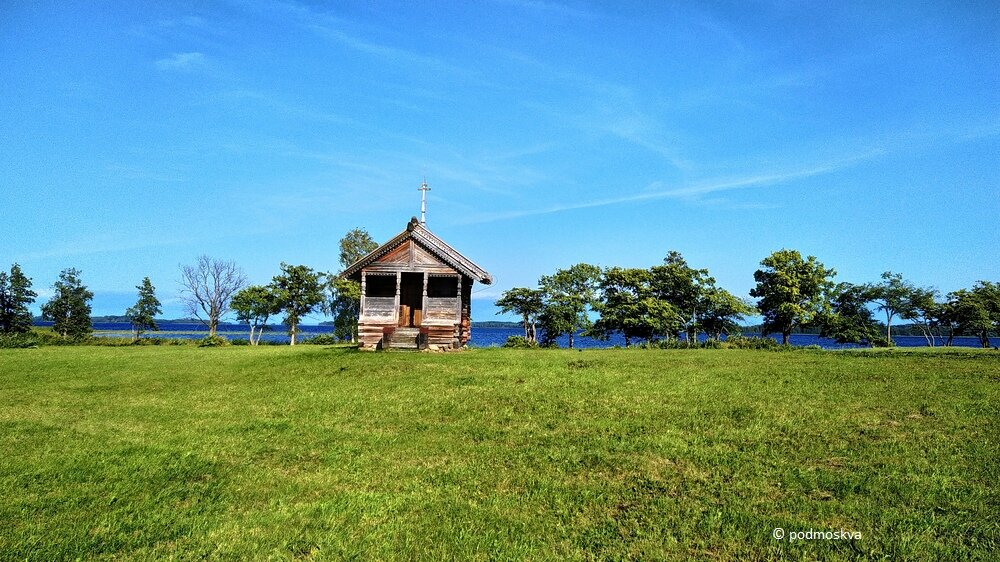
{"x": 207, "y": 287}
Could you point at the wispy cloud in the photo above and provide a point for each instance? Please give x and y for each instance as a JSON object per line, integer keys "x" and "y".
{"x": 909, "y": 139}
{"x": 333, "y": 28}
{"x": 357, "y": 37}
{"x": 184, "y": 62}
{"x": 121, "y": 171}
{"x": 690, "y": 192}
{"x": 381, "y": 50}
{"x": 85, "y": 245}
{"x": 185, "y": 21}
{"x": 548, "y": 7}
{"x": 290, "y": 108}
{"x": 609, "y": 109}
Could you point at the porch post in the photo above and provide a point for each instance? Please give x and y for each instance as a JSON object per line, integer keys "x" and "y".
{"x": 364, "y": 280}
{"x": 399, "y": 280}
{"x": 423, "y": 306}
{"x": 460, "y": 299}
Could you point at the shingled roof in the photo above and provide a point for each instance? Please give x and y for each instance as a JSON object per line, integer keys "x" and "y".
{"x": 419, "y": 234}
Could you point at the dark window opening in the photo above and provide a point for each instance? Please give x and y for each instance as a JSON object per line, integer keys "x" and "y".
{"x": 380, "y": 285}
{"x": 442, "y": 287}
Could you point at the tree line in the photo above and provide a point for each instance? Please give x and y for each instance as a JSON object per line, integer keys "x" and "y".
{"x": 672, "y": 300}
{"x": 668, "y": 302}
{"x": 68, "y": 309}
{"x": 210, "y": 289}
{"x": 296, "y": 292}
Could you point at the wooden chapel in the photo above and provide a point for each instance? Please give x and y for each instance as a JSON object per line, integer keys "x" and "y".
{"x": 415, "y": 292}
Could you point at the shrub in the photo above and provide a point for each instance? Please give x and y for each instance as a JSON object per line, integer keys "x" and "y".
{"x": 323, "y": 339}
{"x": 104, "y": 341}
{"x": 739, "y": 341}
{"x": 239, "y": 341}
{"x": 48, "y": 337}
{"x": 213, "y": 341}
{"x": 165, "y": 341}
{"x": 35, "y": 338}
{"x": 664, "y": 344}
{"x": 519, "y": 342}
{"x": 18, "y": 341}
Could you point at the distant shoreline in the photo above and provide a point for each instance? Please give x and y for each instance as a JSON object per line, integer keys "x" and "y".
{"x": 37, "y": 321}
{"x": 897, "y": 329}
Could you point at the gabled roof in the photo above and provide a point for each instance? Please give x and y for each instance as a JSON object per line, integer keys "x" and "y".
{"x": 419, "y": 234}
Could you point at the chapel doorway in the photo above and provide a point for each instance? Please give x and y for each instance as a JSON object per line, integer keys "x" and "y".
{"x": 411, "y": 299}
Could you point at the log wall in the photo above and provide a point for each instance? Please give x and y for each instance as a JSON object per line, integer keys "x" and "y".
{"x": 446, "y": 319}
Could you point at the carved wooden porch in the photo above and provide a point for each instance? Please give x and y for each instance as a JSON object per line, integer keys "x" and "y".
{"x": 415, "y": 292}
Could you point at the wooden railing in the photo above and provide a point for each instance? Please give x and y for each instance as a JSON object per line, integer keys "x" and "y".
{"x": 379, "y": 308}
{"x": 442, "y": 310}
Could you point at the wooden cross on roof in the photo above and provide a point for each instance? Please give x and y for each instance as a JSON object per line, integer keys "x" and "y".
{"x": 423, "y": 189}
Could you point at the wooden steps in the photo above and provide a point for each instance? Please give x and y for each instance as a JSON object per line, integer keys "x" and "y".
{"x": 403, "y": 339}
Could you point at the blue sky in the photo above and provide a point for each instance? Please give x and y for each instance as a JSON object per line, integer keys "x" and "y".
{"x": 138, "y": 135}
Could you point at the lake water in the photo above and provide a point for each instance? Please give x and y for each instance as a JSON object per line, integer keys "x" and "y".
{"x": 481, "y": 337}
{"x": 486, "y": 337}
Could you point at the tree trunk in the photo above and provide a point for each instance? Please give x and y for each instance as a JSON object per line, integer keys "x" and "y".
{"x": 534, "y": 333}
{"x": 784, "y": 337}
{"x": 213, "y": 326}
{"x": 888, "y": 328}
{"x": 571, "y": 340}
{"x": 251, "y": 334}
{"x": 292, "y": 329}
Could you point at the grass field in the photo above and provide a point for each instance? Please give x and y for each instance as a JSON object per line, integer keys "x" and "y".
{"x": 324, "y": 453}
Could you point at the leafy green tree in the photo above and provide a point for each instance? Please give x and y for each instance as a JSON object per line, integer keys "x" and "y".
{"x": 990, "y": 294}
{"x": 254, "y": 305}
{"x": 69, "y": 308}
{"x": 142, "y": 313}
{"x": 849, "y": 318}
{"x": 721, "y": 312}
{"x": 945, "y": 320}
{"x": 621, "y": 291}
{"x": 525, "y": 302}
{"x": 15, "y": 296}
{"x": 893, "y": 297}
{"x": 976, "y": 312}
{"x": 344, "y": 305}
{"x": 344, "y": 302}
{"x": 683, "y": 287}
{"x": 923, "y": 310}
{"x": 299, "y": 291}
{"x": 569, "y": 295}
{"x": 627, "y": 306}
{"x": 561, "y": 315}
{"x": 791, "y": 291}
{"x": 356, "y": 244}
{"x": 207, "y": 287}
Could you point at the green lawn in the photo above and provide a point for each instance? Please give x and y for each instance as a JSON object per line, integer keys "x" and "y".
{"x": 325, "y": 453}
